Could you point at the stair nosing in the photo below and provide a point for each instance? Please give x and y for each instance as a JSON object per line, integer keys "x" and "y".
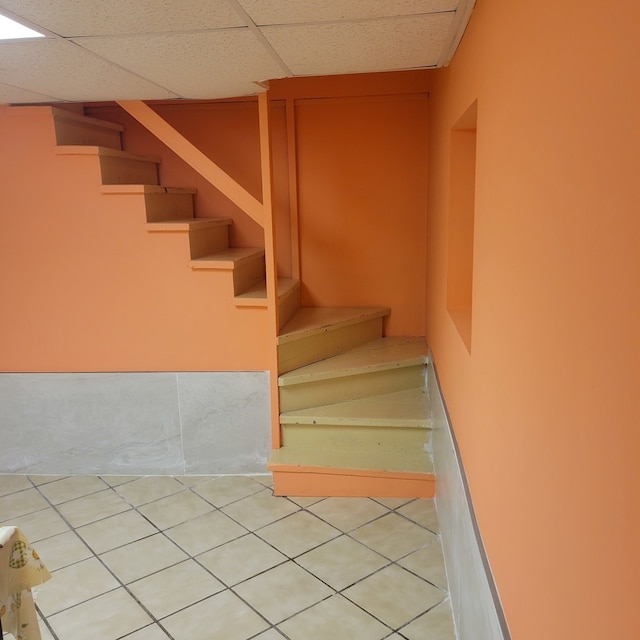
{"x": 187, "y": 224}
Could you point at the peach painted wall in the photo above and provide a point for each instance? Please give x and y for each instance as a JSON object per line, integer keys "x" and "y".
{"x": 546, "y": 407}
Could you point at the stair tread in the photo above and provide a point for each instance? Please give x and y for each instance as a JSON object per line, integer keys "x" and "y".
{"x": 258, "y": 292}
{"x": 144, "y": 188}
{"x": 309, "y": 321}
{"x": 230, "y": 258}
{"x": 408, "y": 408}
{"x": 96, "y": 122}
{"x": 378, "y": 355}
{"x": 416, "y": 462}
{"x": 186, "y": 224}
{"x": 92, "y": 150}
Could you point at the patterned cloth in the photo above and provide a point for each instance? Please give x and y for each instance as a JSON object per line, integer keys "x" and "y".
{"x": 20, "y": 570}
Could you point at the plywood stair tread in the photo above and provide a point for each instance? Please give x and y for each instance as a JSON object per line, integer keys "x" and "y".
{"x": 230, "y": 258}
{"x": 364, "y": 462}
{"x": 144, "y": 189}
{"x": 407, "y": 408}
{"x": 377, "y": 355}
{"x": 90, "y": 150}
{"x": 257, "y": 294}
{"x": 309, "y": 321}
{"x": 188, "y": 224}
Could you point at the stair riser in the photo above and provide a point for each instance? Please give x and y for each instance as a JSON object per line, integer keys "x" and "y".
{"x": 289, "y": 304}
{"x": 247, "y": 274}
{"x": 334, "y": 390}
{"x": 355, "y": 438}
{"x": 203, "y": 242}
{"x": 298, "y": 353}
{"x": 74, "y": 132}
{"x": 168, "y": 206}
{"x": 128, "y": 171}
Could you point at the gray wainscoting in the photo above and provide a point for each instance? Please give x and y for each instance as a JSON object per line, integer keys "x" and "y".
{"x": 134, "y": 423}
{"x": 476, "y": 608}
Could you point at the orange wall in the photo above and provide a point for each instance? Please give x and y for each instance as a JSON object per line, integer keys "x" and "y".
{"x": 545, "y": 407}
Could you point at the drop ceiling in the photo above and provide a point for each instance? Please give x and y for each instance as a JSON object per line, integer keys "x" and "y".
{"x": 96, "y": 50}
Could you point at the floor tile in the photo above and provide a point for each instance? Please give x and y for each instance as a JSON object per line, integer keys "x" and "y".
{"x": 260, "y": 509}
{"x": 193, "y": 481}
{"x": 436, "y": 624}
{"x": 11, "y": 484}
{"x": 62, "y": 550}
{"x": 91, "y": 508}
{"x": 303, "y": 501}
{"x": 423, "y": 512}
{"x": 428, "y": 563}
{"x": 283, "y": 591}
{"x": 71, "y": 488}
{"x": 74, "y": 584}
{"x": 241, "y": 559}
{"x": 342, "y": 562}
{"x": 21, "y": 503}
{"x": 151, "y": 632}
{"x": 108, "y": 617}
{"x": 266, "y": 479}
{"x": 114, "y": 481}
{"x": 40, "y": 480}
{"x": 116, "y": 531}
{"x": 271, "y": 634}
{"x": 393, "y": 536}
{"x": 394, "y": 595}
{"x": 226, "y": 489}
{"x": 148, "y": 489}
{"x": 348, "y": 513}
{"x": 142, "y": 558}
{"x": 175, "y": 588}
{"x": 175, "y": 509}
{"x": 205, "y": 532}
{"x": 297, "y": 533}
{"x": 334, "y": 618}
{"x": 393, "y": 503}
{"x": 39, "y": 524}
{"x": 221, "y": 617}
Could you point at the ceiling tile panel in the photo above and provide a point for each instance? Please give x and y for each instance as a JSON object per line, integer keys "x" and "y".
{"x": 71, "y": 18}
{"x": 360, "y": 47}
{"x": 194, "y": 65}
{"x": 271, "y": 12}
{"x": 60, "y": 68}
{"x": 9, "y": 94}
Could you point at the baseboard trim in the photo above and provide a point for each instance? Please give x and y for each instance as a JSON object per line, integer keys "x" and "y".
{"x": 477, "y": 610}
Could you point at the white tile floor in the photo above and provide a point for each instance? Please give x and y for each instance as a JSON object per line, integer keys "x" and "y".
{"x": 206, "y": 558}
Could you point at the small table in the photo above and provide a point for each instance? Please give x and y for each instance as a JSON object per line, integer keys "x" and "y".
{"x": 20, "y": 570}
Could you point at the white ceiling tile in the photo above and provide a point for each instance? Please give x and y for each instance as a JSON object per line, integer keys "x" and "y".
{"x": 60, "y": 68}
{"x": 272, "y": 12}
{"x": 96, "y": 17}
{"x": 195, "y": 65}
{"x": 9, "y": 94}
{"x": 360, "y": 47}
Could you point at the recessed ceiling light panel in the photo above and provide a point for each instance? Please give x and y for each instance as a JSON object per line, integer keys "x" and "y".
{"x": 12, "y": 30}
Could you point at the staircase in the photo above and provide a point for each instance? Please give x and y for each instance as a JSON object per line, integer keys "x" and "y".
{"x": 354, "y": 414}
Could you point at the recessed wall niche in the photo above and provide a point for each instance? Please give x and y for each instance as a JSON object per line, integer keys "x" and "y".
{"x": 462, "y": 188}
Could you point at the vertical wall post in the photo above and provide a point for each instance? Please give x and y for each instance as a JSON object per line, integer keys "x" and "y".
{"x": 270, "y": 260}
{"x": 292, "y": 161}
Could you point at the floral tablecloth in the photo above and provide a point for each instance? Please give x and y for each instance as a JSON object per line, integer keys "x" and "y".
{"x": 20, "y": 570}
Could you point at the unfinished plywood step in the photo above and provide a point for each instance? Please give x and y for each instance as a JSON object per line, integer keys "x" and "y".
{"x": 384, "y": 365}
{"x": 339, "y": 472}
{"x": 256, "y": 296}
{"x": 246, "y": 265}
{"x": 76, "y": 129}
{"x": 161, "y": 203}
{"x": 206, "y": 235}
{"x": 316, "y": 333}
{"x": 391, "y": 422}
{"x": 116, "y": 166}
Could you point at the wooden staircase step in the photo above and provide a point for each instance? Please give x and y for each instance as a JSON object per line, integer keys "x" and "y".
{"x": 341, "y": 472}
{"x": 161, "y": 203}
{"x": 206, "y": 235}
{"x": 316, "y": 333}
{"x": 187, "y": 224}
{"x": 116, "y": 166}
{"x": 384, "y": 365}
{"x": 408, "y": 408}
{"x": 227, "y": 259}
{"x": 256, "y": 295}
{"x": 76, "y": 129}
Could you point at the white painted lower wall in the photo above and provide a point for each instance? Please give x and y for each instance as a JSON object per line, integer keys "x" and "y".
{"x": 135, "y": 423}
{"x": 476, "y": 608}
